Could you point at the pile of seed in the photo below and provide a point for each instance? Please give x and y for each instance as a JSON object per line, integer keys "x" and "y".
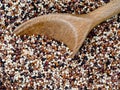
{"x": 31, "y": 62}
{"x": 38, "y": 62}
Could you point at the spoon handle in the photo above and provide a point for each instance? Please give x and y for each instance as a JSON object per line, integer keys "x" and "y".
{"x": 105, "y": 12}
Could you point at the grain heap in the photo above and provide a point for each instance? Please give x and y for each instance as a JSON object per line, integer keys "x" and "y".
{"x": 28, "y": 62}
{"x": 24, "y": 66}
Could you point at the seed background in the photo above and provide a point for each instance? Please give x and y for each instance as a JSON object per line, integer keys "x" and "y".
{"x": 97, "y": 64}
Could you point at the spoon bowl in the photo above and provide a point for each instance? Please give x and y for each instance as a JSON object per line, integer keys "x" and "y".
{"x": 69, "y": 29}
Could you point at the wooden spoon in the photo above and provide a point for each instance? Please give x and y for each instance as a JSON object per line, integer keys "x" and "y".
{"x": 67, "y": 28}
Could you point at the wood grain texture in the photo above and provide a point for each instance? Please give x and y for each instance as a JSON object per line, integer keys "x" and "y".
{"x": 72, "y": 30}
